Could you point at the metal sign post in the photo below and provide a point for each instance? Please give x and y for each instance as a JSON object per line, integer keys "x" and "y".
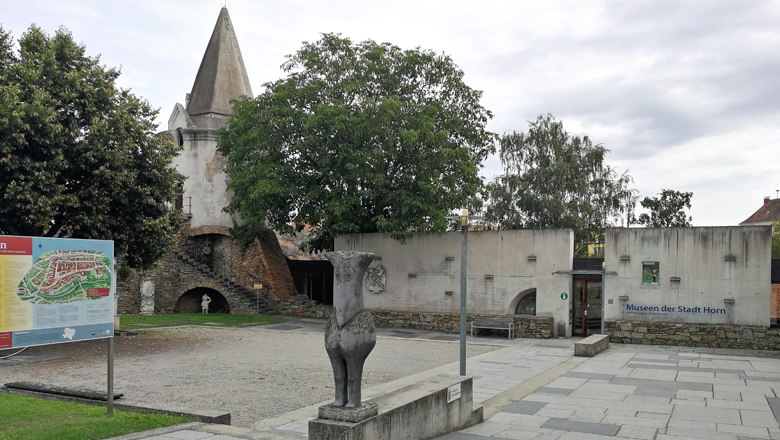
{"x": 110, "y": 393}
{"x": 258, "y": 287}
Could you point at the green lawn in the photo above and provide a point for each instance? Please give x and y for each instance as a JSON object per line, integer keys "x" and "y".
{"x": 28, "y": 418}
{"x": 135, "y": 322}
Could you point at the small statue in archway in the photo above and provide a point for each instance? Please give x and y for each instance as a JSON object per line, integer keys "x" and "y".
{"x": 204, "y": 303}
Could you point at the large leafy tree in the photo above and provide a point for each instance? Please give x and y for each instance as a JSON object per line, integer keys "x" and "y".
{"x": 666, "y": 211}
{"x": 357, "y": 137}
{"x": 552, "y": 179}
{"x": 78, "y": 156}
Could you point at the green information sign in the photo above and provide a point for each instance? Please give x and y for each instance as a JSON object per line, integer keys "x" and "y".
{"x": 564, "y": 296}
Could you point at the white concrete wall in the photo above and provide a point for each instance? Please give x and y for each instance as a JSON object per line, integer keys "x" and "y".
{"x": 500, "y": 254}
{"x": 698, "y": 257}
{"x": 204, "y": 169}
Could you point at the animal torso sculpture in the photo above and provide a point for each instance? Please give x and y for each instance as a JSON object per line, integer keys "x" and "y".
{"x": 350, "y": 334}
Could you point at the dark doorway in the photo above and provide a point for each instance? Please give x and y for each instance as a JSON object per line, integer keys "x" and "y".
{"x": 313, "y": 278}
{"x": 586, "y": 308}
{"x": 190, "y": 301}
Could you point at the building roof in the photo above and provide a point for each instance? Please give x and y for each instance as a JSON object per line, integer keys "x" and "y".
{"x": 221, "y": 77}
{"x": 768, "y": 213}
{"x": 291, "y": 248}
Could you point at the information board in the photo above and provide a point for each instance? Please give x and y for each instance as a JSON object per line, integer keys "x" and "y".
{"x": 55, "y": 290}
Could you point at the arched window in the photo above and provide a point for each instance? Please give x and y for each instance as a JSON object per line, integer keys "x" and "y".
{"x": 526, "y": 302}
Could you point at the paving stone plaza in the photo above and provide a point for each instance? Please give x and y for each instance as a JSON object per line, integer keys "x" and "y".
{"x": 537, "y": 389}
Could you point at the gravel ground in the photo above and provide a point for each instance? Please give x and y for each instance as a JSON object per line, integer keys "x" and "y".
{"x": 253, "y": 373}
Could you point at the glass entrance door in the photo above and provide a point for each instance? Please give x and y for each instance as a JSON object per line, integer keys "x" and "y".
{"x": 587, "y": 307}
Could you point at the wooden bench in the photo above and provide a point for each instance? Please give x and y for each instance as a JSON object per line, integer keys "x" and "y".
{"x": 591, "y": 346}
{"x": 494, "y": 323}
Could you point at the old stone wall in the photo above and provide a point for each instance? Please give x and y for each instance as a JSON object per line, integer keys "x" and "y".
{"x": 526, "y": 326}
{"x": 262, "y": 262}
{"x": 694, "y": 335}
{"x": 208, "y": 257}
{"x": 172, "y": 278}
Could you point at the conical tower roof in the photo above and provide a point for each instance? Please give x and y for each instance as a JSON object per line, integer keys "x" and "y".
{"x": 221, "y": 77}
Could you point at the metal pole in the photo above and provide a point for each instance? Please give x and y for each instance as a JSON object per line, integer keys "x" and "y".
{"x": 110, "y": 393}
{"x": 464, "y": 266}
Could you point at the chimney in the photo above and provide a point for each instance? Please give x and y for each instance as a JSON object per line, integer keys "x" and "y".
{"x": 766, "y": 200}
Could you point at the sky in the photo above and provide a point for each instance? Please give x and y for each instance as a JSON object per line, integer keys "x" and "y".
{"x": 684, "y": 94}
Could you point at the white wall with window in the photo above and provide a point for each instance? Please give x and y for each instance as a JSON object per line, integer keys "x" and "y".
{"x": 703, "y": 275}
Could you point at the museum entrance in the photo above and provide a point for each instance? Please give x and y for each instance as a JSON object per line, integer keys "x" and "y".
{"x": 586, "y": 306}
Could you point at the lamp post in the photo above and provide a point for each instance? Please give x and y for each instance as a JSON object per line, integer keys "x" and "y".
{"x": 464, "y": 267}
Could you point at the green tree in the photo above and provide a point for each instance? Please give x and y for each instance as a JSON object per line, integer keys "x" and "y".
{"x": 552, "y": 179}
{"x": 776, "y": 239}
{"x": 666, "y": 211}
{"x": 78, "y": 156}
{"x": 357, "y": 137}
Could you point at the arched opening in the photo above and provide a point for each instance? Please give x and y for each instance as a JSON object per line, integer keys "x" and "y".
{"x": 525, "y": 302}
{"x": 190, "y": 301}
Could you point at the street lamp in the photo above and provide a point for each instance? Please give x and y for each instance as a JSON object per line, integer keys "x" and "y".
{"x": 464, "y": 267}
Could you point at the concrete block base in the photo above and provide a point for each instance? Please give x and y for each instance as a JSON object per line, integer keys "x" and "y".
{"x": 591, "y": 346}
{"x": 421, "y": 411}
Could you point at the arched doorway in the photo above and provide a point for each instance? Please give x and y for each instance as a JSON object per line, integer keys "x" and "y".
{"x": 525, "y": 303}
{"x": 189, "y": 302}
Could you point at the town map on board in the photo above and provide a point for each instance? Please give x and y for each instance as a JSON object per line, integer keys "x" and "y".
{"x": 64, "y": 276}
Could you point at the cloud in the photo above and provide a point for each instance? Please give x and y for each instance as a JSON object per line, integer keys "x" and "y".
{"x": 684, "y": 94}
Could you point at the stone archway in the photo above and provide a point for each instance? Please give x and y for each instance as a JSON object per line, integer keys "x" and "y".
{"x": 189, "y": 301}
{"x": 524, "y": 303}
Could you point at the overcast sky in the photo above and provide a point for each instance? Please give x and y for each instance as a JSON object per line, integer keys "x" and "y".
{"x": 685, "y": 94}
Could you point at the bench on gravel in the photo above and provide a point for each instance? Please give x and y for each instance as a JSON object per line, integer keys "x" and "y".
{"x": 591, "y": 346}
{"x": 494, "y": 323}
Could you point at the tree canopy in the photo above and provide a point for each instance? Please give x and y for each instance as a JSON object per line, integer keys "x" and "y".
{"x": 78, "y": 156}
{"x": 357, "y": 137}
{"x": 666, "y": 211}
{"x": 552, "y": 179}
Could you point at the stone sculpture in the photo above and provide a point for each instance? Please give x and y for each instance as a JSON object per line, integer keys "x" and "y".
{"x": 204, "y": 303}
{"x": 350, "y": 334}
{"x": 147, "y": 297}
{"x": 376, "y": 278}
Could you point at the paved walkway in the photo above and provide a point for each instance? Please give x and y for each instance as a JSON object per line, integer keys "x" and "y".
{"x": 536, "y": 389}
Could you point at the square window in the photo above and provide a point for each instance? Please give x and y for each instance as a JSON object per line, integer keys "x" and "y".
{"x": 650, "y": 274}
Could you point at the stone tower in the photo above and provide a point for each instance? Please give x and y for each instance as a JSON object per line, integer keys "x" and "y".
{"x": 221, "y": 78}
{"x": 208, "y": 260}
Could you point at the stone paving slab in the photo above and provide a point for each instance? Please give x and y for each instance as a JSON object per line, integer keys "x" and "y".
{"x": 534, "y": 390}
{"x": 584, "y": 427}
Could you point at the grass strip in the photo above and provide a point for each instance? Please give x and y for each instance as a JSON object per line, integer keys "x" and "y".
{"x": 29, "y": 418}
{"x": 136, "y": 322}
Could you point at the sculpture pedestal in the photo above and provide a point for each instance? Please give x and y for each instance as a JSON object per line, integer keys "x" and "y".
{"x": 420, "y": 411}
{"x": 352, "y": 415}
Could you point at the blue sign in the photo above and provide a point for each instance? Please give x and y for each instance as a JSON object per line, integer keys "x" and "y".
{"x": 667, "y": 309}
